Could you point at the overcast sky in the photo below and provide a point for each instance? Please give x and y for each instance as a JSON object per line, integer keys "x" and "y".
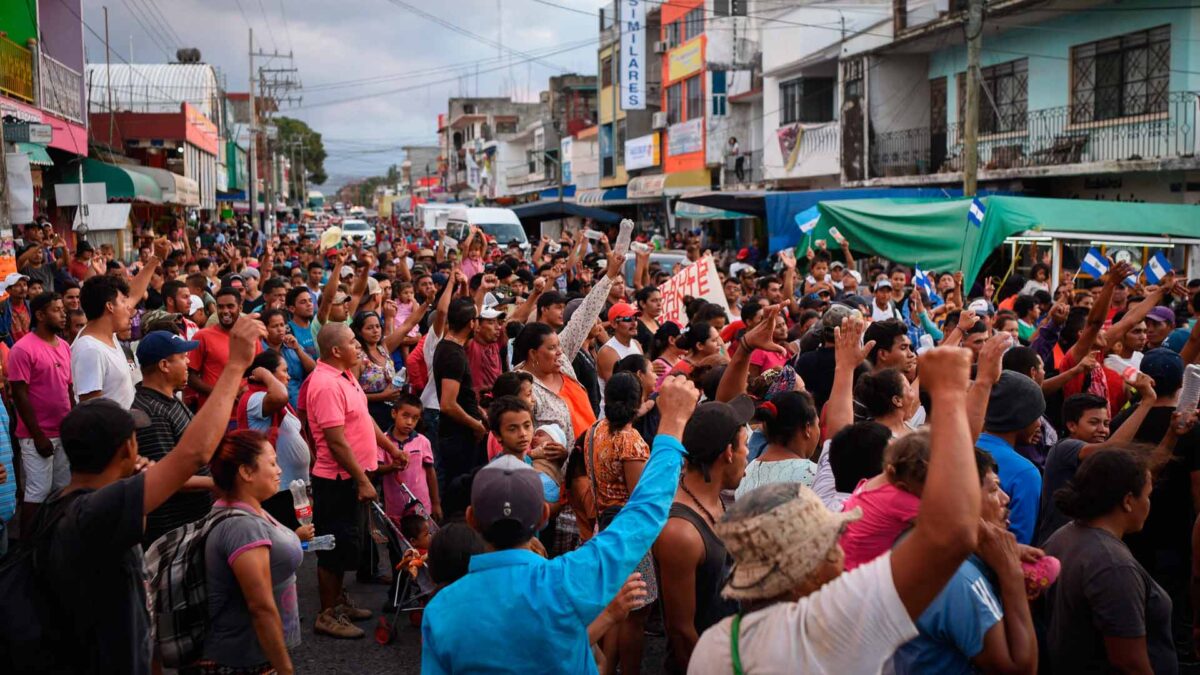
{"x": 416, "y": 61}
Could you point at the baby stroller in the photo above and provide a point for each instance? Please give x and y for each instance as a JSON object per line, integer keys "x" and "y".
{"x": 410, "y": 590}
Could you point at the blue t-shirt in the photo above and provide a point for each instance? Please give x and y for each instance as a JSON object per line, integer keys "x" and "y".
{"x": 953, "y": 626}
{"x": 1020, "y": 480}
{"x": 306, "y": 338}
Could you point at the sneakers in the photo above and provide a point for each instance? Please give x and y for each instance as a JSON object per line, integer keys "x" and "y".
{"x": 348, "y": 609}
{"x": 334, "y": 624}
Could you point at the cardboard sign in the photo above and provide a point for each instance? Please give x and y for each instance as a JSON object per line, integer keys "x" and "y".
{"x": 698, "y": 280}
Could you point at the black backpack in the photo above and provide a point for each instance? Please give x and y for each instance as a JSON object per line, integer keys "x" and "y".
{"x": 33, "y": 625}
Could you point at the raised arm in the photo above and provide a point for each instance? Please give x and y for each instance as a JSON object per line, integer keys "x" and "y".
{"x": 1139, "y": 311}
{"x": 200, "y": 439}
{"x": 990, "y": 360}
{"x": 849, "y": 353}
{"x": 329, "y": 290}
{"x": 737, "y": 372}
{"x": 524, "y": 312}
{"x": 139, "y": 284}
{"x": 947, "y": 526}
{"x": 576, "y": 331}
{"x": 1099, "y": 312}
{"x": 438, "y": 325}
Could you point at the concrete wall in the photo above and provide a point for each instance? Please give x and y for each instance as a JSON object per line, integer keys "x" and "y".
{"x": 899, "y": 92}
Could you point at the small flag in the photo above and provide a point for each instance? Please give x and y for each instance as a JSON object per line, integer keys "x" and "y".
{"x": 1094, "y": 263}
{"x": 922, "y": 280}
{"x": 1157, "y": 268}
{"x": 807, "y": 219}
{"x": 976, "y": 212}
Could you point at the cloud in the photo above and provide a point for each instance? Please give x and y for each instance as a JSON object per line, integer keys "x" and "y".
{"x": 414, "y": 64}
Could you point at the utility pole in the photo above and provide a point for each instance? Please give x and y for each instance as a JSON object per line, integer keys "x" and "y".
{"x": 252, "y": 164}
{"x": 971, "y": 114}
{"x": 275, "y": 86}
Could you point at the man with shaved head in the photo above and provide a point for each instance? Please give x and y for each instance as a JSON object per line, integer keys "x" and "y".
{"x": 346, "y": 442}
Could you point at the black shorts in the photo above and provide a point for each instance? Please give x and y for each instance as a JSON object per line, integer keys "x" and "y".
{"x": 337, "y": 511}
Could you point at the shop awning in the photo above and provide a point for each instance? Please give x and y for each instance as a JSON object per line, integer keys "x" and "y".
{"x": 752, "y": 203}
{"x": 552, "y": 193}
{"x": 668, "y": 184}
{"x": 176, "y": 189}
{"x": 700, "y": 212}
{"x": 936, "y": 233}
{"x": 122, "y": 184}
{"x": 37, "y": 153}
{"x": 102, "y": 217}
{"x": 782, "y": 207}
{"x": 536, "y": 212}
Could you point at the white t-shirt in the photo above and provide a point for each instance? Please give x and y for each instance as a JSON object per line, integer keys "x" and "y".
{"x": 878, "y": 314}
{"x": 96, "y": 366}
{"x": 429, "y": 395}
{"x": 852, "y": 625}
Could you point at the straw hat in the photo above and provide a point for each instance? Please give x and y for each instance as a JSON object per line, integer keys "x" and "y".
{"x": 775, "y": 551}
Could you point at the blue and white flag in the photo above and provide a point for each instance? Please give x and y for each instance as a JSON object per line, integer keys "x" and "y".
{"x": 976, "y": 212}
{"x": 922, "y": 280}
{"x": 1094, "y": 263}
{"x": 1157, "y": 268}
{"x": 807, "y": 219}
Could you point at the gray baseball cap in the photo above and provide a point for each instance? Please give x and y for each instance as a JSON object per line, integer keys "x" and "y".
{"x": 507, "y": 489}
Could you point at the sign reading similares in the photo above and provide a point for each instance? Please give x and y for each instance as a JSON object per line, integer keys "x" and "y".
{"x": 632, "y": 15}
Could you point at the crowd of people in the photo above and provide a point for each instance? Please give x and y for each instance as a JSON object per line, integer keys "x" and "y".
{"x": 839, "y": 466}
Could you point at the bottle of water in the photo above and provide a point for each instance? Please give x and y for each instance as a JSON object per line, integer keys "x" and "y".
{"x": 1125, "y": 369}
{"x": 624, "y": 237}
{"x": 300, "y": 501}
{"x": 926, "y": 343}
{"x": 1189, "y": 394}
{"x": 324, "y": 542}
{"x": 400, "y": 379}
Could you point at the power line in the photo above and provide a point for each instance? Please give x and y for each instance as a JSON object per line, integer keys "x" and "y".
{"x": 153, "y": 36}
{"x": 270, "y": 33}
{"x": 163, "y": 21}
{"x": 287, "y": 30}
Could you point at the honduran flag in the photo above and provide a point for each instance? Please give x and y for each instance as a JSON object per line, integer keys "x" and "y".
{"x": 923, "y": 280}
{"x": 807, "y": 219}
{"x": 976, "y": 212}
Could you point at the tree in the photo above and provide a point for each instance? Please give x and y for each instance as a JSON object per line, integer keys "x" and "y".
{"x": 313, "y": 148}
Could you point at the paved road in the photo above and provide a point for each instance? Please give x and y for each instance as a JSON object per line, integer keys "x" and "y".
{"x": 320, "y": 654}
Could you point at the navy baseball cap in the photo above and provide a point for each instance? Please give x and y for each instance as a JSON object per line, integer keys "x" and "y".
{"x": 162, "y": 344}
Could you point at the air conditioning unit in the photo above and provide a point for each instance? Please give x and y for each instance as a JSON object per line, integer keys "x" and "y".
{"x": 659, "y": 121}
{"x": 661, "y": 47}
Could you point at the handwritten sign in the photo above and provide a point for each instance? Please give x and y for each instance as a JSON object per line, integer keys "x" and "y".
{"x": 698, "y": 280}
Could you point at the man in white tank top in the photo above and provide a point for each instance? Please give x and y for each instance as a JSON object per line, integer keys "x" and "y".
{"x": 622, "y": 317}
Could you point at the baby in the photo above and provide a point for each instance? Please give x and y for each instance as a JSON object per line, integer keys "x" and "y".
{"x": 543, "y": 435}
{"x": 405, "y": 306}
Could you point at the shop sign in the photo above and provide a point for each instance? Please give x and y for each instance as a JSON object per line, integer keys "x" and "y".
{"x": 698, "y": 280}
{"x": 632, "y": 77}
{"x": 686, "y": 59}
{"x": 565, "y": 151}
{"x": 685, "y": 137}
{"x": 641, "y": 152}
{"x": 28, "y": 133}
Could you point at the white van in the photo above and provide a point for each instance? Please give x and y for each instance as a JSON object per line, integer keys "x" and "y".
{"x": 502, "y": 224}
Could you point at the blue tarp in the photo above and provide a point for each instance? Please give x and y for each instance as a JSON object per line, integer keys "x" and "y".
{"x": 552, "y": 193}
{"x": 782, "y": 207}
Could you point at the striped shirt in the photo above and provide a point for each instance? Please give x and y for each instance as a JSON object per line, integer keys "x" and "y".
{"x": 168, "y": 419}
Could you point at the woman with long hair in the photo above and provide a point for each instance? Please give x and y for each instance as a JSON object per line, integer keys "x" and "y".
{"x": 250, "y": 565}
{"x": 649, "y": 304}
{"x": 614, "y": 456}
{"x": 701, "y": 343}
{"x": 793, "y": 432}
{"x": 664, "y": 352}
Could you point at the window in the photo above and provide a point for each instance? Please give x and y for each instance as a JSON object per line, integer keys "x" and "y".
{"x": 695, "y": 101}
{"x": 806, "y": 99}
{"x": 1003, "y": 97}
{"x": 606, "y": 150}
{"x": 852, "y": 79}
{"x": 619, "y": 151}
{"x": 468, "y": 108}
{"x": 1121, "y": 76}
{"x": 729, "y": 8}
{"x": 673, "y": 34}
{"x": 506, "y": 127}
{"x": 719, "y": 97}
{"x": 693, "y": 23}
{"x": 675, "y": 103}
{"x": 606, "y": 78}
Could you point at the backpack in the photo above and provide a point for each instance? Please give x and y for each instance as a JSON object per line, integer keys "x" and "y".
{"x": 31, "y": 617}
{"x": 178, "y": 589}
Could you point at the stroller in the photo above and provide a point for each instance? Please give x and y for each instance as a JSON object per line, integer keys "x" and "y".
{"x": 409, "y": 591}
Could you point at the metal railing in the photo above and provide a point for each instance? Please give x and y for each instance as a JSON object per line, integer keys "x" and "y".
{"x": 16, "y": 70}
{"x": 1043, "y": 138}
{"x": 752, "y": 168}
{"x": 61, "y": 88}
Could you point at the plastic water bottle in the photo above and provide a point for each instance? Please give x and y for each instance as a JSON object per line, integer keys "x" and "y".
{"x": 1125, "y": 369}
{"x": 926, "y": 343}
{"x": 300, "y": 501}
{"x": 624, "y": 237}
{"x": 1189, "y": 394}
{"x": 324, "y": 542}
{"x": 400, "y": 379}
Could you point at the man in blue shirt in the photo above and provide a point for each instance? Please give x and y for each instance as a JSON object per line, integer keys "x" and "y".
{"x": 552, "y": 601}
{"x": 1014, "y": 411}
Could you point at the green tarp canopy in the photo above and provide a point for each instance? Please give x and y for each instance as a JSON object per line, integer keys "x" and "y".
{"x": 936, "y": 234}
{"x": 123, "y": 185}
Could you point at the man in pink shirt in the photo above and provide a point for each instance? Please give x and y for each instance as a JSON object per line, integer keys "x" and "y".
{"x": 39, "y": 369}
{"x": 346, "y": 442}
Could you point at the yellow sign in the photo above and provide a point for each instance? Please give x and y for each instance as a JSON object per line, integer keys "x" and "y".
{"x": 686, "y": 59}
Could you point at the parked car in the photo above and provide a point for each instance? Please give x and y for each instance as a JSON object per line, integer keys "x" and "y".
{"x": 501, "y": 224}
{"x": 358, "y": 230}
{"x": 671, "y": 262}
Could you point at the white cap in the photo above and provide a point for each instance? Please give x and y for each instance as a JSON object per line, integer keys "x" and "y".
{"x": 14, "y": 278}
{"x": 490, "y": 313}
{"x": 196, "y": 303}
{"x": 980, "y": 306}
{"x": 736, "y": 268}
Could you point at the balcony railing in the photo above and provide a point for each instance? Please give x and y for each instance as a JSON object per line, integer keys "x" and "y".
{"x": 1043, "y": 138}
{"x": 61, "y": 86}
{"x": 752, "y": 169}
{"x": 16, "y": 70}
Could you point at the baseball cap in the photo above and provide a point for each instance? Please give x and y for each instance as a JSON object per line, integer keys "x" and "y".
{"x": 980, "y": 306}
{"x": 1160, "y": 314}
{"x": 570, "y": 309}
{"x": 736, "y": 268}
{"x": 490, "y": 313}
{"x": 883, "y": 283}
{"x": 621, "y": 310}
{"x": 251, "y": 273}
{"x": 835, "y": 315}
{"x": 1165, "y": 367}
{"x": 713, "y": 427}
{"x": 13, "y": 278}
{"x": 743, "y": 254}
{"x": 836, "y": 264}
{"x": 373, "y": 286}
{"x": 195, "y": 304}
{"x": 425, "y": 253}
{"x": 161, "y": 344}
{"x": 97, "y": 426}
{"x": 507, "y": 491}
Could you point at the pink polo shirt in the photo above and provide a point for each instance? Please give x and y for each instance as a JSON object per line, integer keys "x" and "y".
{"x": 333, "y": 398}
